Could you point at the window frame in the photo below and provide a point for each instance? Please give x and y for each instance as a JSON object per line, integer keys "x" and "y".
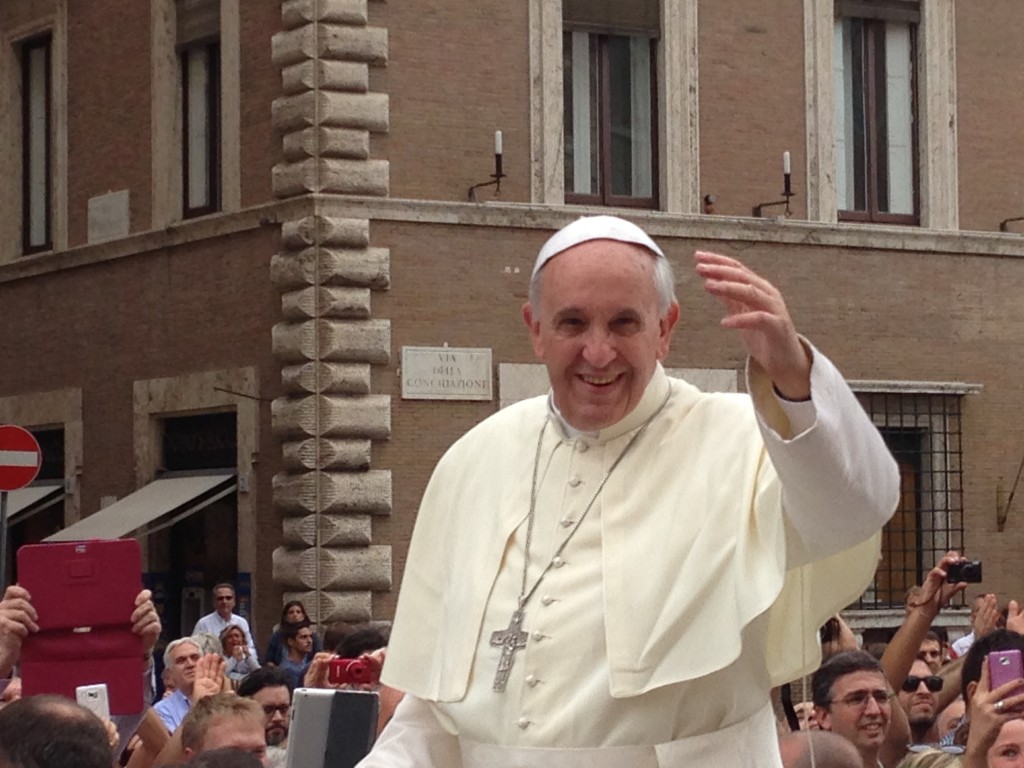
{"x": 600, "y": 72}
{"x": 27, "y": 46}
{"x": 211, "y": 47}
{"x": 876, "y": 14}
{"x": 936, "y": 493}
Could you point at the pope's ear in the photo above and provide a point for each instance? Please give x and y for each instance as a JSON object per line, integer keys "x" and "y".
{"x": 533, "y": 324}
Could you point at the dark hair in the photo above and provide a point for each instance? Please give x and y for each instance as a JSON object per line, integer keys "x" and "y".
{"x": 265, "y": 677}
{"x": 292, "y": 604}
{"x": 336, "y": 632}
{"x": 361, "y": 641}
{"x": 225, "y": 757}
{"x": 291, "y": 631}
{"x": 940, "y": 632}
{"x": 50, "y": 731}
{"x": 997, "y": 640}
{"x": 840, "y": 665}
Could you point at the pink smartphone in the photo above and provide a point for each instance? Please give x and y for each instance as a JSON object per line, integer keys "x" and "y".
{"x": 1004, "y": 667}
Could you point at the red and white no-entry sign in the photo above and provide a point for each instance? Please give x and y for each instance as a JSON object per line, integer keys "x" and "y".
{"x": 20, "y": 457}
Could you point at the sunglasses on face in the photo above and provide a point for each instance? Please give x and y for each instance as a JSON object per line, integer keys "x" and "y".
{"x": 933, "y": 683}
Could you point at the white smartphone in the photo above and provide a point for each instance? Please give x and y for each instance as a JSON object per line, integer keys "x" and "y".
{"x": 94, "y": 698}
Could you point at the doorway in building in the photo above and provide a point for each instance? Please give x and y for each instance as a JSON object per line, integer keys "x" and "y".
{"x": 197, "y": 551}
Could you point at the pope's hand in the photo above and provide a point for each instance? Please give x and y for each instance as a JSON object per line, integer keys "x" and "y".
{"x": 755, "y": 308}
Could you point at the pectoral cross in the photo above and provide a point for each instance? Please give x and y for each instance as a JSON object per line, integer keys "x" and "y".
{"x": 509, "y": 640}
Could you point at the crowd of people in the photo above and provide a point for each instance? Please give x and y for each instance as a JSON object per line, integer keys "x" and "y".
{"x": 219, "y": 706}
{"x": 919, "y": 700}
{"x": 620, "y": 574}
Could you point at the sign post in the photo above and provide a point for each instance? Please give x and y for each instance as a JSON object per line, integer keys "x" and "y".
{"x": 20, "y": 459}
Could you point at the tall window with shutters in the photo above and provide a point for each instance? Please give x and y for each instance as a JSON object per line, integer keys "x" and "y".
{"x": 610, "y": 118}
{"x": 36, "y": 144}
{"x": 199, "y": 61}
{"x": 876, "y": 110}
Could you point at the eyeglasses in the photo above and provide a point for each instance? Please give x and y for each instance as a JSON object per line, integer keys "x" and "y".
{"x": 860, "y": 699}
{"x": 281, "y": 709}
{"x": 933, "y": 683}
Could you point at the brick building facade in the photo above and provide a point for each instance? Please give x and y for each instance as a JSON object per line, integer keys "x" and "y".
{"x": 251, "y": 208}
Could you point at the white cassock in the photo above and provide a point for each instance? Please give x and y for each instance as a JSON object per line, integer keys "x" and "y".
{"x": 697, "y": 581}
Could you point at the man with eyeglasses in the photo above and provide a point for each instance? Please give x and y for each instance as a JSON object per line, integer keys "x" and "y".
{"x": 271, "y": 688}
{"x": 852, "y": 699}
{"x": 919, "y": 700}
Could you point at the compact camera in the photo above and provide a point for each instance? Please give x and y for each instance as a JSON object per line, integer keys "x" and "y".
{"x": 965, "y": 570}
{"x": 362, "y": 671}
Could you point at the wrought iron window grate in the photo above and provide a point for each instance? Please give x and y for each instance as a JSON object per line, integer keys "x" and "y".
{"x": 923, "y": 433}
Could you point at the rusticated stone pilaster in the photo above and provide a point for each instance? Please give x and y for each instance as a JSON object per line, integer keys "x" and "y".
{"x": 328, "y": 338}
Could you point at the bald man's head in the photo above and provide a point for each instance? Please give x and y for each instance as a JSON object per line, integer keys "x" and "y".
{"x": 830, "y": 750}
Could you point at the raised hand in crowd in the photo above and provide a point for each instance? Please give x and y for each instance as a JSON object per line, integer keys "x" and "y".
{"x": 146, "y": 621}
{"x": 210, "y": 677}
{"x": 936, "y": 592}
{"x": 17, "y": 619}
{"x": 986, "y": 618}
{"x": 317, "y": 673}
{"x": 990, "y": 710}
{"x": 901, "y": 652}
{"x": 1015, "y": 618}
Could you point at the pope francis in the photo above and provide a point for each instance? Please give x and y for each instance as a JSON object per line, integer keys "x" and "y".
{"x": 616, "y": 574}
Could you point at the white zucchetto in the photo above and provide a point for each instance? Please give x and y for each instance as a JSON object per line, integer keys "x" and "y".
{"x": 588, "y": 228}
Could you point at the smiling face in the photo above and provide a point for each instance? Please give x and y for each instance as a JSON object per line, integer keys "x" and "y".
{"x": 597, "y": 328}
{"x": 855, "y": 712}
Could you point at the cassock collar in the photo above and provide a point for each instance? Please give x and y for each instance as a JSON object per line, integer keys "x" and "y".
{"x": 652, "y": 400}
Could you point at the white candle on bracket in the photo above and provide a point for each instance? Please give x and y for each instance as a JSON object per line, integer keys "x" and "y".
{"x": 497, "y": 142}
{"x": 785, "y": 163}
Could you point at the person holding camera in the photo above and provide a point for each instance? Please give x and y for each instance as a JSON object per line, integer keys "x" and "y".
{"x": 617, "y": 573}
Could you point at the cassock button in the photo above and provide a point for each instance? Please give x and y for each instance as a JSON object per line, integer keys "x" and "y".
{"x": 538, "y": 635}
{"x": 523, "y": 723}
{"x": 547, "y": 599}
{"x": 531, "y": 680}
{"x": 581, "y": 446}
{"x": 557, "y": 562}
{"x": 566, "y": 522}
{"x": 575, "y": 480}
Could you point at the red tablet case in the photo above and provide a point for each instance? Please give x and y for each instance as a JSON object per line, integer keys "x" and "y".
{"x": 84, "y": 593}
